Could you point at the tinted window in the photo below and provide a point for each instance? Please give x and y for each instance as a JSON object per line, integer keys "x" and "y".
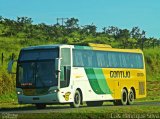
{"x": 92, "y": 58}
{"x": 38, "y": 54}
{"x": 36, "y": 74}
{"x": 65, "y": 54}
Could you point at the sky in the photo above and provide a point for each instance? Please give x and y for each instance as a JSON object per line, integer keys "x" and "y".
{"x": 124, "y": 14}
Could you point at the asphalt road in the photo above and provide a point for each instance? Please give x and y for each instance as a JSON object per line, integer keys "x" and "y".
{"x": 64, "y": 108}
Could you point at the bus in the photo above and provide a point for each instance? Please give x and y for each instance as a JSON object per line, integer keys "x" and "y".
{"x": 72, "y": 74}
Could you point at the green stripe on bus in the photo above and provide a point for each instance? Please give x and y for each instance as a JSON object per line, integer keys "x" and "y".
{"x": 93, "y": 81}
{"x": 102, "y": 81}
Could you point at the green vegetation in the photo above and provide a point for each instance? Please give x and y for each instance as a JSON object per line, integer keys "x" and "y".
{"x": 104, "y": 112}
{"x": 71, "y": 32}
{"x": 19, "y": 33}
{"x": 153, "y": 91}
{"x": 152, "y": 58}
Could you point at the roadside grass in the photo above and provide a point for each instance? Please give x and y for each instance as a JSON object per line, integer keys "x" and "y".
{"x": 153, "y": 91}
{"x": 104, "y": 112}
{"x": 8, "y": 98}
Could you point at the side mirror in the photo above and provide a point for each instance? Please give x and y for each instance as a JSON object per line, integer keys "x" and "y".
{"x": 10, "y": 66}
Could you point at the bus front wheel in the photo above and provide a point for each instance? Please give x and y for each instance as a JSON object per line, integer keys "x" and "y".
{"x": 77, "y": 100}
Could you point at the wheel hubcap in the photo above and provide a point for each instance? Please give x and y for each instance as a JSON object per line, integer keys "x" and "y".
{"x": 131, "y": 97}
{"x": 124, "y": 97}
{"x": 76, "y": 99}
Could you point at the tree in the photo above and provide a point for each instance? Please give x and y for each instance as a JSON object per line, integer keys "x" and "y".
{"x": 112, "y": 30}
{"x": 89, "y": 29}
{"x": 9, "y": 27}
{"x": 139, "y": 35}
{"x": 72, "y": 23}
{"x": 123, "y": 35}
{"x": 1, "y": 19}
{"x": 24, "y": 27}
{"x": 24, "y": 20}
{"x": 135, "y": 33}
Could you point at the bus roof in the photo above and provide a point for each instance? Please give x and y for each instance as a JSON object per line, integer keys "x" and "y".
{"x": 93, "y": 47}
{"x": 107, "y": 49}
{"x": 44, "y": 46}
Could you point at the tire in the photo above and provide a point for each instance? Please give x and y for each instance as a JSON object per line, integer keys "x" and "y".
{"x": 94, "y": 103}
{"x": 77, "y": 100}
{"x": 124, "y": 97}
{"x": 40, "y": 106}
{"x": 123, "y": 100}
{"x": 131, "y": 97}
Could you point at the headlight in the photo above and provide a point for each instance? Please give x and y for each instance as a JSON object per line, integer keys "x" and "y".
{"x": 53, "y": 91}
{"x": 19, "y": 93}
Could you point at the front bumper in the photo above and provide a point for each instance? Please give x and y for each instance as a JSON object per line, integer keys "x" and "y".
{"x": 47, "y": 99}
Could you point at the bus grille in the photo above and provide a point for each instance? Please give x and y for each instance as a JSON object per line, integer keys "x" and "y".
{"x": 141, "y": 88}
{"x": 35, "y": 92}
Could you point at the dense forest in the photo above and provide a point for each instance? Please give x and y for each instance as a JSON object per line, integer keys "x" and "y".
{"x": 22, "y": 32}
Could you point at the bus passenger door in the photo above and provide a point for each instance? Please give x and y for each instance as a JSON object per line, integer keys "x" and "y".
{"x": 65, "y": 67}
{"x": 65, "y": 76}
{"x": 65, "y": 89}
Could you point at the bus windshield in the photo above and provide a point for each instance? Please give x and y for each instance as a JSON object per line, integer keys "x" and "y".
{"x": 37, "y": 74}
{"x": 35, "y": 70}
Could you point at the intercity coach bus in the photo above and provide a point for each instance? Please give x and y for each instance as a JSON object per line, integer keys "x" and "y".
{"x": 70, "y": 74}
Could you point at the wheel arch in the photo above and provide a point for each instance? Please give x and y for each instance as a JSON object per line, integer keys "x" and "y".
{"x": 125, "y": 89}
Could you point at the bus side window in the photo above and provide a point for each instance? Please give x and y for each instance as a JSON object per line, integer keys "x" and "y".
{"x": 65, "y": 76}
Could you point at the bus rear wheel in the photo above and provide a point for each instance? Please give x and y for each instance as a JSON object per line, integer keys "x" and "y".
{"x": 94, "y": 103}
{"x": 40, "y": 106}
{"x": 77, "y": 100}
{"x": 131, "y": 97}
{"x": 124, "y": 98}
